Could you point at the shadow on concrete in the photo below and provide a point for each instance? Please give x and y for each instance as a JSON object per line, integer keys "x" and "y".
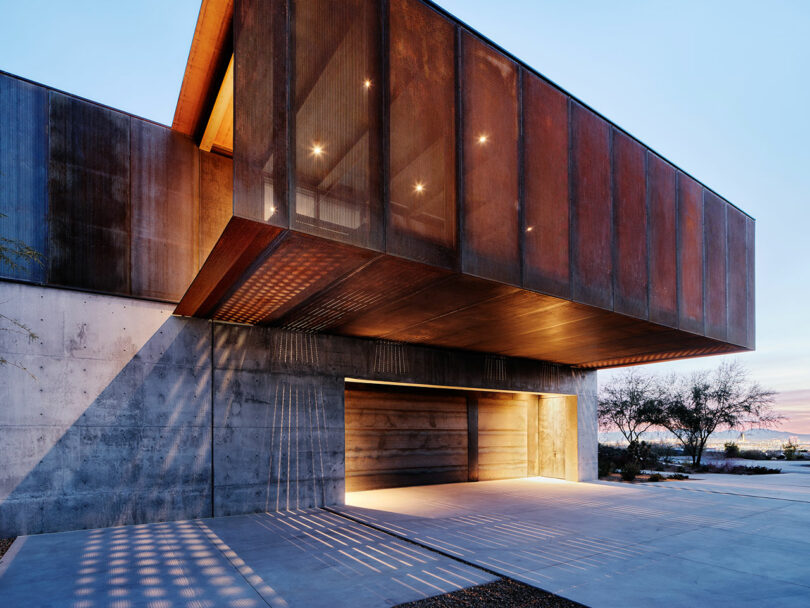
{"x": 131, "y": 449}
{"x": 308, "y": 558}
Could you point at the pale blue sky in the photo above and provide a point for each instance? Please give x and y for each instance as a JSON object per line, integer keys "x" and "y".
{"x": 720, "y": 88}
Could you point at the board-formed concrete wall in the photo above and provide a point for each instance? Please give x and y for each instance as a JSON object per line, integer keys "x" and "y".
{"x": 279, "y": 399}
{"x": 119, "y": 413}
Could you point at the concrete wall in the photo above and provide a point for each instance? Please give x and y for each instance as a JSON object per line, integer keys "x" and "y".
{"x": 110, "y": 424}
{"x": 279, "y": 407}
{"x": 125, "y": 414}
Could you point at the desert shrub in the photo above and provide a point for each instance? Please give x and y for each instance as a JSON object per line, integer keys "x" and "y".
{"x": 656, "y": 477}
{"x": 737, "y": 469}
{"x": 731, "y": 449}
{"x": 678, "y": 476}
{"x": 630, "y": 470}
{"x": 610, "y": 459}
{"x": 753, "y": 455}
{"x": 664, "y": 452}
{"x": 756, "y": 470}
{"x": 641, "y": 453}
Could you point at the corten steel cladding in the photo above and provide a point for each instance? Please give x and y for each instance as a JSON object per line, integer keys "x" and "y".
{"x": 714, "y": 287}
{"x": 663, "y": 241}
{"x": 89, "y": 208}
{"x": 480, "y": 206}
{"x": 422, "y": 134}
{"x": 631, "y": 277}
{"x": 491, "y": 247}
{"x": 546, "y": 226}
{"x": 337, "y": 106}
{"x": 690, "y": 254}
{"x": 260, "y": 112}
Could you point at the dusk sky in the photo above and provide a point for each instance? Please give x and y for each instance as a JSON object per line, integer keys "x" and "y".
{"x": 719, "y": 88}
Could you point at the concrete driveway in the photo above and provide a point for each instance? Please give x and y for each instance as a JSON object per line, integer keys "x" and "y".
{"x": 721, "y": 540}
{"x": 303, "y": 558}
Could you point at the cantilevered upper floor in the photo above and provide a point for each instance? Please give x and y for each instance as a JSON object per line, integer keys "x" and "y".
{"x": 376, "y": 168}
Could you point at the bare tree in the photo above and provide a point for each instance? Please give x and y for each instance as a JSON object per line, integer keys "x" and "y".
{"x": 697, "y": 406}
{"x": 13, "y": 254}
{"x": 631, "y": 403}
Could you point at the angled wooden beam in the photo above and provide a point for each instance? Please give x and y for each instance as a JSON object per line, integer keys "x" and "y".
{"x": 221, "y": 115}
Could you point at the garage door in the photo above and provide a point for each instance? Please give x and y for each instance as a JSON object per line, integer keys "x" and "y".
{"x": 404, "y": 437}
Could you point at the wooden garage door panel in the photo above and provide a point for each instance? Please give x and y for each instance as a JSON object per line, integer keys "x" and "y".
{"x": 400, "y": 438}
{"x": 502, "y": 437}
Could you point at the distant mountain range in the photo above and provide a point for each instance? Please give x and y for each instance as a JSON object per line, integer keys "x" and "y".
{"x": 752, "y": 435}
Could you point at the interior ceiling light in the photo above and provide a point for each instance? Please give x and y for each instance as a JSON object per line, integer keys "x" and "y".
{"x": 419, "y": 187}
{"x": 317, "y": 149}
{"x": 367, "y": 83}
{"x": 483, "y": 138}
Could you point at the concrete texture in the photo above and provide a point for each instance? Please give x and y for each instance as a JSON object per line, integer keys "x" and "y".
{"x": 608, "y": 544}
{"x": 110, "y": 424}
{"x": 120, "y": 413}
{"x": 279, "y": 407}
{"x": 309, "y": 559}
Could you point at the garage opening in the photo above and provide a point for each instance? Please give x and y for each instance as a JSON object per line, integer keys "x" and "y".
{"x": 403, "y": 435}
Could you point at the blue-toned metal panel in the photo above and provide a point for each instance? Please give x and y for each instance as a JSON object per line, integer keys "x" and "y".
{"x": 23, "y": 172}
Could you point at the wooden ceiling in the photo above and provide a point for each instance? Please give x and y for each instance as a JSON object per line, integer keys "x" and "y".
{"x": 258, "y": 274}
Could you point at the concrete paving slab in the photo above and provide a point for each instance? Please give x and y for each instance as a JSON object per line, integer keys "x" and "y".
{"x": 309, "y": 558}
{"x": 150, "y": 566}
{"x": 610, "y": 544}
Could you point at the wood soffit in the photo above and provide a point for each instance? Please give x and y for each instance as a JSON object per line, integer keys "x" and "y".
{"x": 203, "y": 75}
{"x": 263, "y": 275}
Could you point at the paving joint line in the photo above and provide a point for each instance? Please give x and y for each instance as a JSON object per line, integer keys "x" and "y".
{"x": 707, "y": 491}
{"x": 437, "y": 551}
{"x": 207, "y": 532}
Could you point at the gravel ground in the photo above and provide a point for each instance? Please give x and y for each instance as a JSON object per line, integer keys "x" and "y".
{"x": 502, "y": 593}
{"x": 5, "y": 543}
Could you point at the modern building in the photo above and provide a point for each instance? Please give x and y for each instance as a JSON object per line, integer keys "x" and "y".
{"x": 374, "y": 249}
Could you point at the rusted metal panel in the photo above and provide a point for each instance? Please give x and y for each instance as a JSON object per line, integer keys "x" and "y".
{"x": 750, "y": 245}
{"x": 663, "y": 232}
{"x": 261, "y": 111}
{"x": 216, "y": 199}
{"x": 491, "y": 241}
{"x": 88, "y": 188}
{"x": 546, "y": 229}
{"x": 239, "y": 245}
{"x": 690, "y": 254}
{"x": 338, "y": 106}
{"x": 737, "y": 277}
{"x": 591, "y": 209}
{"x": 630, "y": 224}
{"x": 382, "y": 280}
{"x": 715, "y": 269}
{"x": 421, "y": 219}
{"x": 314, "y": 284}
{"x": 291, "y": 273}
{"x": 23, "y": 172}
{"x": 165, "y": 213}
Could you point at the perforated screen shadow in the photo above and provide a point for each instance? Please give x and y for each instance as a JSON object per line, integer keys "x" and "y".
{"x": 299, "y": 267}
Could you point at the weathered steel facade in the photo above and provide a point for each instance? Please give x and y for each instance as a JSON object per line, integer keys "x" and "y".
{"x": 391, "y": 198}
{"x": 439, "y": 174}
